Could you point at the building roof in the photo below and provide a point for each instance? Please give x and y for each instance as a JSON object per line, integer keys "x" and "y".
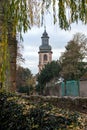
{"x": 45, "y": 34}
{"x": 45, "y": 47}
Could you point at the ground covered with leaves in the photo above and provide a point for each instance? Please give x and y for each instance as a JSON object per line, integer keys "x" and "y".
{"x": 18, "y": 113}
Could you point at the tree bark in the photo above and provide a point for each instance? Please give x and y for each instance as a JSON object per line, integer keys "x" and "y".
{"x": 12, "y": 47}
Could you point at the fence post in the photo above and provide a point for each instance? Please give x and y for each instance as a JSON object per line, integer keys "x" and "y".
{"x": 65, "y": 88}
{"x": 78, "y": 83}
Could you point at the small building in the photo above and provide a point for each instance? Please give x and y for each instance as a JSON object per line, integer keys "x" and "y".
{"x": 45, "y": 51}
{"x": 83, "y": 85}
{"x": 83, "y": 88}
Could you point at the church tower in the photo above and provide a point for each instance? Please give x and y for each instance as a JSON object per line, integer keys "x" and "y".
{"x": 45, "y": 53}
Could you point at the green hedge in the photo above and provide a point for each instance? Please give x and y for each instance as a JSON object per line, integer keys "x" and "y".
{"x": 16, "y": 113}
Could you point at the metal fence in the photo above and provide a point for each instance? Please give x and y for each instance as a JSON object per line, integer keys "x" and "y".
{"x": 70, "y": 88}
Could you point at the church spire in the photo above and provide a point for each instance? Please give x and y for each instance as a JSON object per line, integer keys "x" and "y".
{"x": 45, "y": 51}
{"x": 44, "y": 28}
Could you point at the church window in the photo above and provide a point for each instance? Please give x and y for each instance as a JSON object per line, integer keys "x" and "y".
{"x": 45, "y": 57}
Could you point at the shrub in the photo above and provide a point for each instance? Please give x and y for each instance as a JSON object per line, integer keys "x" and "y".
{"x": 19, "y": 114}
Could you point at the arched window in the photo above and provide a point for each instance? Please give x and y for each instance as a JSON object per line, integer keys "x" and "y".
{"x": 45, "y": 57}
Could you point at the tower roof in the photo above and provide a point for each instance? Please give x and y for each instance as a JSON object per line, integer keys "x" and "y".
{"x": 45, "y": 34}
{"x": 45, "y": 47}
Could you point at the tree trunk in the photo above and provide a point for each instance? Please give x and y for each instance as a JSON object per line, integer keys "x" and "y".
{"x": 1, "y": 47}
{"x": 12, "y": 47}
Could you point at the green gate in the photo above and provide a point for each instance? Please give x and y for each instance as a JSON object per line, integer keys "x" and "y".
{"x": 70, "y": 89}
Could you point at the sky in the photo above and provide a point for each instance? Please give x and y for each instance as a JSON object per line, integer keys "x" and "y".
{"x": 58, "y": 40}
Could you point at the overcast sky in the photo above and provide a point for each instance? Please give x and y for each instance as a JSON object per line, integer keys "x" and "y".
{"x": 58, "y": 40}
